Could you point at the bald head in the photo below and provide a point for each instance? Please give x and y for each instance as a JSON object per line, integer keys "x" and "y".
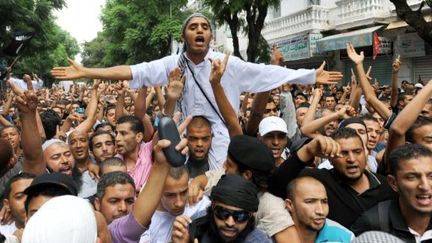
{"x": 301, "y": 184}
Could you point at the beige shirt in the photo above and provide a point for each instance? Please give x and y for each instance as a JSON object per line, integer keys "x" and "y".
{"x": 272, "y": 217}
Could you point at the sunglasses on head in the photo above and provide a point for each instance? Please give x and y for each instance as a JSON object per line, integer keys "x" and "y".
{"x": 238, "y": 216}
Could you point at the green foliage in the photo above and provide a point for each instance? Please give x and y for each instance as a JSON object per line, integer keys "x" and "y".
{"x": 231, "y": 12}
{"x": 50, "y": 45}
{"x": 135, "y": 31}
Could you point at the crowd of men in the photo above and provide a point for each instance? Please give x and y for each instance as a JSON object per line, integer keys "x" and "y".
{"x": 273, "y": 154}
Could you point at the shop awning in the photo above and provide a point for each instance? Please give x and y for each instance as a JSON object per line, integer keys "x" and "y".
{"x": 401, "y": 23}
{"x": 357, "y": 38}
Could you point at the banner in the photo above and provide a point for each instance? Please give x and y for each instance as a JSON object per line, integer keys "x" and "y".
{"x": 376, "y": 45}
{"x": 19, "y": 41}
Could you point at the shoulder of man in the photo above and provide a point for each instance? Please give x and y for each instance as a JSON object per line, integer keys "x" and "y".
{"x": 257, "y": 235}
{"x": 376, "y": 218}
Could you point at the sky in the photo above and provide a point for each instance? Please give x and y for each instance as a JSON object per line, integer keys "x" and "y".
{"x": 81, "y": 19}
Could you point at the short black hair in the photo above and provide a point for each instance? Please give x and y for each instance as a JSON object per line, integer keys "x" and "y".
{"x": 49, "y": 190}
{"x": 420, "y": 122}
{"x": 50, "y": 121}
{"x": 109, "y": 107}
{"x": 17, "y": 177}
{"x": 111, "y": 179}
{"x": 345, "y": 133}
{"x": 113, "y": 161}
{"x": 404, "y": 153}
{"x": 303, "y": 105}
{"x": 136, "y": 124}
{"x": 98, "y": 133}
{"x": 290, "y": 189}
{"x": 102, "y": 125}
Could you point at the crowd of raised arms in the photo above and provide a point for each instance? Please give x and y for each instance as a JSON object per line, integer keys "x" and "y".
{"x": 272, "y": 154}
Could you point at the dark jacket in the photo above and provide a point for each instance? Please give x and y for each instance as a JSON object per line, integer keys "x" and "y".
{"x": 385, "y": 216}
{"x": 346, "y": 205}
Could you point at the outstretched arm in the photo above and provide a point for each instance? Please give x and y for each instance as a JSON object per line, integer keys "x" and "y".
{"x": 225, "y": 108}
{"x": 75, "y": 71}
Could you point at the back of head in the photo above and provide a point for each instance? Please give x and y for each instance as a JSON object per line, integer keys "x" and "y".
{"x": 66, "y": 219}
{"x": 50, "y": 121}
{"x": 404, "y": 153}
{"x": 376, "y": 237}
{"x": 110, "y": 162}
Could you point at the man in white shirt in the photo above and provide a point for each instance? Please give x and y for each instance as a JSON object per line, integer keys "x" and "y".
{"x": 22, "y": 83}
{"x": 197, "y": 60}
{"x": 173, "y": 203}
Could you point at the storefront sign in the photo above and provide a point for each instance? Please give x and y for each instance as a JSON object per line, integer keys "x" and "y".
{"x": 410, "y": 45}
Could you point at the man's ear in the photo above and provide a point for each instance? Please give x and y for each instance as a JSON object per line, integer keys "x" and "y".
{"x": 97, "y": 204}
{"x": 289, "y": 204}
{"x": 392, "y": 182}
{"x": 247, "y": 174}
{"x": 139, "y": 137}
{"x": 6, "y": 204}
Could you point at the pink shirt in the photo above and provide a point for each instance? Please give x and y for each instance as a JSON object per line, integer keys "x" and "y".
{"x": 143, "y": 165}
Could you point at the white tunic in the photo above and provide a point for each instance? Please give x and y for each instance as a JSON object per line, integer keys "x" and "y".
{"x": 240, "y": 76}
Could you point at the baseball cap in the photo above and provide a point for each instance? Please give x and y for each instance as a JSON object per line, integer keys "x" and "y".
{"x": 55, "y": 179}
{"x": 271, "y": 124}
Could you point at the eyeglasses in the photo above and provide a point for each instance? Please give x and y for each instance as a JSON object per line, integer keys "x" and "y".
{"x": 238, "y": 216}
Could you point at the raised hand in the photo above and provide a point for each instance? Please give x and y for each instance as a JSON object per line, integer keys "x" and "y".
{"x": 73, "y": 71}
{"x": 176, "y": 84}
{"x": 180, "y": 233}
{"x": 346, "y": 112}
{"x": 353, "y": 55}
{"x": 26, "y": 101}
{"x": 218, "y": 69}
{"x": 276, "y": 56}
{"x": 327, "y": 77}
{"x": 396, "y": 65}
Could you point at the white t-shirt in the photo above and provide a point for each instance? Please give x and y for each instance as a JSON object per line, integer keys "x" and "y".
{"x": 162, "y": 222}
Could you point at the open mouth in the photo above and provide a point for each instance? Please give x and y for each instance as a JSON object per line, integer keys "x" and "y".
{"x": 199, "y": 40}
{"x": 424, "y": 199}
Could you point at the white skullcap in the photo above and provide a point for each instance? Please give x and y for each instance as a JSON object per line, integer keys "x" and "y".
{"x": 65, "y": 219}
{"x": 50, "y": 142}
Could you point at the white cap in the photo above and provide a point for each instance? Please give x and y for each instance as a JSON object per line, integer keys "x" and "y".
{"x": 271, "y": 124}
{"x": 419, "y": 85}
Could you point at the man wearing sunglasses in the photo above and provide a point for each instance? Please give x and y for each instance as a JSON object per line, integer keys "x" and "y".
{"x": 230, "y": 217}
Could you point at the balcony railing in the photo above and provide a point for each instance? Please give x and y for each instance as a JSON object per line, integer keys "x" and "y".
{"x": 312, "y": 18}
{"x": 353, "y": 13}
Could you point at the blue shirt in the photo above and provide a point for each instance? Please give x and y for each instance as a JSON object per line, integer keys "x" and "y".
{"x": 334, "y": 232}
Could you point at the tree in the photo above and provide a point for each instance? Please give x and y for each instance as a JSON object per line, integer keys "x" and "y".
{"x": 255, "y": 12}
{"x": 50, "y": 45}
{"x": 135, "y": 31}
{"x": 414, "y": 18}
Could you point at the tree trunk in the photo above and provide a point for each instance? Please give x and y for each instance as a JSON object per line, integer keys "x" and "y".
{"x": 233, "y": 24}
{"x": 255, "y": 17}
{"x": 414, "y": 18}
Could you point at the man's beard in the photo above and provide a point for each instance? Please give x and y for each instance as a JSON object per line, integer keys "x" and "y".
{"x": 214, "y": 233}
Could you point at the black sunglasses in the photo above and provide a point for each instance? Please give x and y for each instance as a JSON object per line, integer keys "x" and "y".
{"x": 238, "y": 216}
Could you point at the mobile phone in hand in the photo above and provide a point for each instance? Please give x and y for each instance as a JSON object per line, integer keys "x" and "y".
{"x": 168, "y": 130}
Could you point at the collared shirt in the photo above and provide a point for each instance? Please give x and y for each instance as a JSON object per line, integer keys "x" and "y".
{"x": 161, "y": 225}
{"x": 386, "y": 216}
{"x": 143, "y": 165}
{"x": 349, "y": 204}
{"x": 239, "y": 77}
